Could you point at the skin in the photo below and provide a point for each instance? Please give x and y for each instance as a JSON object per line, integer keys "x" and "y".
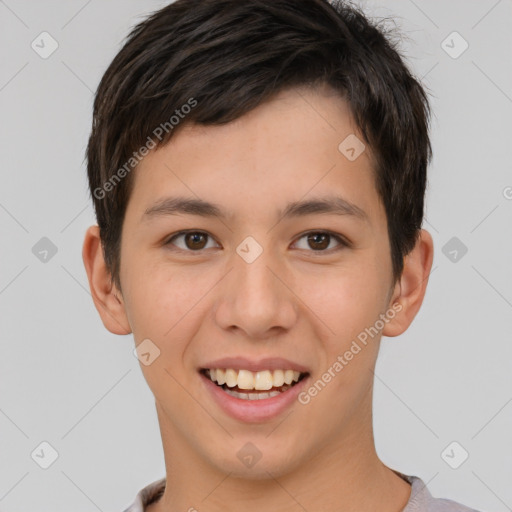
{"x": 293, "y": 301}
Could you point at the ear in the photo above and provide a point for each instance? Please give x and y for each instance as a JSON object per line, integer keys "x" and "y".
{"x": 410, "y": 288}
{"x": 104, "y": 292}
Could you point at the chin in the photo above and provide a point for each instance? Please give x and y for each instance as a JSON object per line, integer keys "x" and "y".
{"x": 257, "y": 460}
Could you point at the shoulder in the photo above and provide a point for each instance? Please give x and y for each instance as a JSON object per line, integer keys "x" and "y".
{"x": 422, "y": 501}
{"x": 147, "y": 495}
{"x": 446, "y": 505}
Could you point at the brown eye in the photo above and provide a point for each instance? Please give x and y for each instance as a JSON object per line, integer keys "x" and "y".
{"x": 193, "y": 241}
{"x": 319, "y": 241}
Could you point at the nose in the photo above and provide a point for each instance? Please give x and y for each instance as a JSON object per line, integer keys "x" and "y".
{"x": 256, "y": 299}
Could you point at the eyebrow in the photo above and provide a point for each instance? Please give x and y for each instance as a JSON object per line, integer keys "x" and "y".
{"x": 183, "y": 205}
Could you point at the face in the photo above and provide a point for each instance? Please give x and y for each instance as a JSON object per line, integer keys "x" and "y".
{"x": 283, "y": 269}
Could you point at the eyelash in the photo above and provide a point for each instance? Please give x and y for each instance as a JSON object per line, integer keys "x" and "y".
{"x": 342, "y": 242}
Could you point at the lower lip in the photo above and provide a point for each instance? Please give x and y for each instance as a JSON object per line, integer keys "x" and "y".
{"x": 253, "y": 411}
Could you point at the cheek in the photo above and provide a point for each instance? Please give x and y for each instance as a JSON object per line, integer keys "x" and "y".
{"x": 347, "y": 300}
{"x": 168, "y": 305}
{"x": 349, "y": 306}
{"x": 141, "y": 298}
{"x": 160, "y": 307}
{"x": 156, "y": 298}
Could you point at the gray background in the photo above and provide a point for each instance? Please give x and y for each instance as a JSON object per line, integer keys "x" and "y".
{"x": 65, "y": 380}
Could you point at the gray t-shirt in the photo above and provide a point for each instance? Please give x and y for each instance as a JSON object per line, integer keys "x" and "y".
{"x": 420, "y": 501}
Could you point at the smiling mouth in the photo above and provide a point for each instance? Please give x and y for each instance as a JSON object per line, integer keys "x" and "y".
{"x": 248, "y": 385}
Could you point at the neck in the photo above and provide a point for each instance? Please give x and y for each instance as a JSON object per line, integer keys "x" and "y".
{"x": 345, "y": 474}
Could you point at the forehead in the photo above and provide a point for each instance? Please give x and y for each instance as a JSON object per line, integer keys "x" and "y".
{"x": 282, "y": 150}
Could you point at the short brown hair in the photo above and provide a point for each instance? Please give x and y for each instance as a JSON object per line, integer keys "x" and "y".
{"x": 223, "y": 58}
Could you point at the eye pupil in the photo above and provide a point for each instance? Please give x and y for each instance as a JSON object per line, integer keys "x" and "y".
{"x": 319, "y": 238}
{"x": 195, "y": 238}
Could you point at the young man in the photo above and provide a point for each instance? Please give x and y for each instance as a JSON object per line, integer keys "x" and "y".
{"x": 258, "y": 171}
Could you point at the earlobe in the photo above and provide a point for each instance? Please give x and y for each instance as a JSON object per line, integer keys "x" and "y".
{"x": 410, "y": 290}
{"x": 104, "y": 293}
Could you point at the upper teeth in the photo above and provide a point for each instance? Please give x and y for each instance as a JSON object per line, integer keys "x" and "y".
{"x": 246, "y": 379}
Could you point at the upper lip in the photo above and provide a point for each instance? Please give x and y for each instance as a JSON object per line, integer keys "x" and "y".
{"x": 268, "y": 363}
